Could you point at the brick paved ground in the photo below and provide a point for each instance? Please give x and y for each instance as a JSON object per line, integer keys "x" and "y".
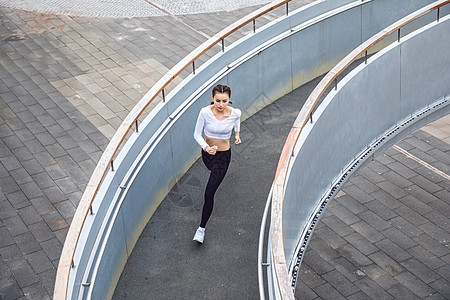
{"x": 65, "y": 85}
{"x": 387, "y": 235}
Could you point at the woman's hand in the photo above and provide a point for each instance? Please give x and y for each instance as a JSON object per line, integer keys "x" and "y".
{"x": 211, "y": 150}
{"x": 237, "y": 139}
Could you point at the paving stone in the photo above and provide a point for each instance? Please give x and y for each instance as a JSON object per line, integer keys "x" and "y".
{"x": 432, "y": 245}
{"x": 13, "y": 142}
{"x": 398, "y": 291}
{"x": 54, "y": 220}
{"x": 31, "y": 190}
{"x": 361, "y": 243}
{"x": 440, "y": 206}
{"x": 55, "y": 171}
{"x": 56, "y": 130}
{"x": 392, "y": 189}
{"x": 27, "y": 243}
{"x": 42, "y": 205}
{"x": 421, "y": 194}
{"x": 397, "y": 179}
{"x": 6, "y": 210}
{"x": 351, "y": 204}
{"x": 52, "y": 248}
{"x": 22, "y": 272}
{"x": 34, "y": 146}
{"x": 15, "y": 226}
{"x": 21, "y": 176}
{"x": 47, "y": 279}
{"x": 5, "y": 237}
{"x": 344, "y": 214}
{"x": 372, "y": 289}
{"x": 45, "y": 138}
{"x": 36, "y": 292}
{"x": 54, "y": 194}
{"x": 29, "y": 215}
{"x": 41, "y": 231}
{"x": 66, "y": 142}
{"x": 357, "y": 193}
{"x": 39, "y": 261}
{"x": 331, "y": 237}
{"x": 340, "y": 283}
{"x": 414, "y": 284}
{"x": 9, "y": 289}
{"x": 78, "y": 155}
{"x": 317, "y": 263}
{"x": 24, "y": 134}
{"x": 384, "y": 159}
{"x": 426, "y": 184}
{"x": 4, "y": 272}
{"x": 438, "y": 219}
{"x": 67, "y": 185}
{"x": 410, "y": 215}
{"x": 326, "y": 291}
{"x": 302, "y": 289}
{"x": 426, "y": 257}
{"x": 359, "y": 296}
{"x": 367, "y": 231}
{"x": 417, "y": 143}
{"x": 379, "y": 276}
{"x": 338, "y": 225}
{"x": 392, "y": 250}
{"x": 444, "y": 271}
{"x": 386, "y": 263}
{"x": 43, "y": 180}
{"x": 32, "y": 166}
{"x": 18, "y": 199}
{"x": 381, "y": 210}
{"x": 406, "y": 227}
{"x": 10, "y": 163}
{"x": 346, "y": 268}
{"x": 431, "y": 175}
{"x": 66, "y": 209}
{"x": 420, "y": 270}
{"x": 434, "y": 231}
{"x": 399, "y": 168}
{"x": 61, "y": 234}
{"x": 398, "y": 237}
{"x": 374, "y": 220}
{"x": 442, "y": 288}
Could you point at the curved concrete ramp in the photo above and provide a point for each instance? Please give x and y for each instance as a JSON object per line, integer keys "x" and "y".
{"x": 167, "y": 264}
{"x": 373, "y": 228}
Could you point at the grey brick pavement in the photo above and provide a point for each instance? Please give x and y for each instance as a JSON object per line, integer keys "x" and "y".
{"x": 66, "y": 83}
{"x": 401, "y": 243}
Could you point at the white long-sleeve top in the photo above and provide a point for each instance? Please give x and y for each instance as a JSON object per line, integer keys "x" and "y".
{"x": 214, "y": 128}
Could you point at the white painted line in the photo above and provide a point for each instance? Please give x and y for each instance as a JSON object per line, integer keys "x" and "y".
{"x": 437, "y": 171}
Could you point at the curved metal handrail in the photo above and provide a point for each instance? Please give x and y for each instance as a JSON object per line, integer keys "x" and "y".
{"x": 277, "y": 245}
{"x": 85, "y": 205}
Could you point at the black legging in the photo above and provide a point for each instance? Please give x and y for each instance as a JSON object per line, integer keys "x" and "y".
{"x": 218, "y": 165}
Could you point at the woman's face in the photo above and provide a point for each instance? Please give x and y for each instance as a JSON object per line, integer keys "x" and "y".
{"x": 221, "y": 101}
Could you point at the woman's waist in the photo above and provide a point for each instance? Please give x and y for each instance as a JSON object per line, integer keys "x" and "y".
{"x": 222, "y": 144}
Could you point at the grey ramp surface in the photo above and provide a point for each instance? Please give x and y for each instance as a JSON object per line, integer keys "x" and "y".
{"x": 383, "y": 237}
{"x": 167, "y": 264}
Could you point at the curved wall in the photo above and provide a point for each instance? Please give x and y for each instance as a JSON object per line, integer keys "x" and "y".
{"x": 401, "y": 89}
{"x": 277, "y": 58}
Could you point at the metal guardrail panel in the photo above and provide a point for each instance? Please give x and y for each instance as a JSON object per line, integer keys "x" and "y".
{"x": 401, "y": 88}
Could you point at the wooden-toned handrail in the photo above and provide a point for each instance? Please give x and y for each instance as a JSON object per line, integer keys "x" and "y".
{"x": 277, "y": 245}
{"x": 67, "y": 255}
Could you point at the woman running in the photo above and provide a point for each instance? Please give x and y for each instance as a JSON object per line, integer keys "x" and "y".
{"x": 217, "y": 121}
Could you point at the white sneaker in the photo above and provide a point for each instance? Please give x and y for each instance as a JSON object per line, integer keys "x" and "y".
{"x": 199, "y": 235}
